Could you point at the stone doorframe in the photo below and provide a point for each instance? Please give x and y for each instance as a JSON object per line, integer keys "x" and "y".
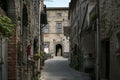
{"x": 55, "y": 47}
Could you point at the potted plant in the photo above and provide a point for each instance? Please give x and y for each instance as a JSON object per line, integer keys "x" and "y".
{"x": 36, "y": 56}
{"x": 38, "y": 72}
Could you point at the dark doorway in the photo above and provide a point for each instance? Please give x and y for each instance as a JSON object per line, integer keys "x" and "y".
{"x": 106, "y": 58}
{"x": 58, "y": 50}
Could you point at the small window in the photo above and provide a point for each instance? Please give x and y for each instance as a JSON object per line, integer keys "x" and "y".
{"x": 58, "y": 27}
{"x": 59, "y": 14}
{"x": 46, "y": 45}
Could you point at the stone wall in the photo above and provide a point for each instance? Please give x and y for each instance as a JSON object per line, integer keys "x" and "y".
{"x": 110, "y": 22}
{"x": 54, "y": 38}
{"x": 114, "y": 57}
{"x": 12, "y": 59}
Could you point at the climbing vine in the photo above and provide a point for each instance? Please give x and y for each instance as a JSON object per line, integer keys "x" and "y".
{"x": 6, "y": 26}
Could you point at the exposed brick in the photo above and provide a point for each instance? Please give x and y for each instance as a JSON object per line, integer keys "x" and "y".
{"x": 12, "y": 59}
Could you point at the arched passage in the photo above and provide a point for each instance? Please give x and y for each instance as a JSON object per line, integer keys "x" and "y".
{"x": 58, "y": 50}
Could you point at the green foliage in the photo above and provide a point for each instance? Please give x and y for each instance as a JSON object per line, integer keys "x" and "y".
{"x": 75, "y": 62}
{"x": 41, "y": 54}
{"x": 92, "y": 17}
{"x": 6, "y": 26}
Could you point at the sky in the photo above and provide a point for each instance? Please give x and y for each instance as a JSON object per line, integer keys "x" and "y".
{"x": 56, "y": 3}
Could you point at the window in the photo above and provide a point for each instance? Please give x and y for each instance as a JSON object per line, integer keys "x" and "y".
{"x": 58, "y": 27}
{"x": 59, "y": 14}
{"x": 46, "y": 29}
{"x": 46, "y": 45}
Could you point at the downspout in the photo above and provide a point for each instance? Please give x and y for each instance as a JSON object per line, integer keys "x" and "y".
{"x": 39, "y": 13}
{"x": 21, "y": 40}
{"x": 98, "y": 42}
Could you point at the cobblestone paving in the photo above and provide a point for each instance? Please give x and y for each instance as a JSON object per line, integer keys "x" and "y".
{"x": 58, "y": 68}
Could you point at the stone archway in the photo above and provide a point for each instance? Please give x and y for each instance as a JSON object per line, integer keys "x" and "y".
{"x": 58, "y": 50}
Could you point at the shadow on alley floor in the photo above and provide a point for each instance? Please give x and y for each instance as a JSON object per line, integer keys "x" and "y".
{"x": 58, "y": 68}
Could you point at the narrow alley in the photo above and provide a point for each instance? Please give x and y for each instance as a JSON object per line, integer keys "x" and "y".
{"x": 58, "y": 68}
{"x": 59, "y": 40}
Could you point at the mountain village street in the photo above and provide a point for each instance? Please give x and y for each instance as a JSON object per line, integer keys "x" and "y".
{"x": 79, "y": 41}
{"x": 58, "y": 68}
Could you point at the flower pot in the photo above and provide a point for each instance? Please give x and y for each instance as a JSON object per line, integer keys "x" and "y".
{"x": 36, "y": 57}
{"x": 38, "y": 72}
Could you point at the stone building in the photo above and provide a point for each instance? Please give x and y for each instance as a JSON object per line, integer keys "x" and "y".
{"x": 55, "y": 42}
{"x": 74, "y": 17}
{"x": 83, "y": 38}
{"x": 8, "y": 7}
{"x": 17, "y": 60}
{"x": 110, "y": 29}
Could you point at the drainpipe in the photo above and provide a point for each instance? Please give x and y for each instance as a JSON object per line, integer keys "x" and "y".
{"x": 21, "y": 40}
{"x": 98, "y": 43}
{"x": 39, "y": 11}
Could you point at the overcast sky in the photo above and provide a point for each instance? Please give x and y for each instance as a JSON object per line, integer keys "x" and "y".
{"x": 56, "y": 3}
